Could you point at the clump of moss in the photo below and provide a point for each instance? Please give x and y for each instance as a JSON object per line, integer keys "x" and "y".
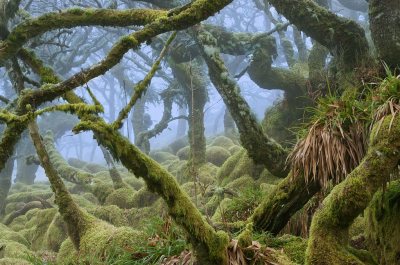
{"x": 67, "y": 252}
{"x": 10, "y": 235}
{"x": 295, "y": 248}
{"x": 56, "y": 234}
{"x": 234, "y": 149}
{"x": 90, "y": 197}
{"x": 382, "y": 233}
{"x": 161, "y": 157}
{"x": 134, "y": 182}
{"x": 183, "y": 153}
{"x": 153, "y": 152}
{"x": 241, "y": 184}
{"x": 268, "y": 178}
{"x": 43, "y": 221}
{"x": 167, "y": 149}
{"x": 357, "y": 228}
{"x": 179, "y": 143}
{"x": 12, "y": 249}
{"x": 222, "y": 141}
{"x": 217, "y": 155}
{"x": 111, "y": 214}
{"x": 138, "y": 216}
{"x": 237, "y": 166}
{"x": 18, "y": 223}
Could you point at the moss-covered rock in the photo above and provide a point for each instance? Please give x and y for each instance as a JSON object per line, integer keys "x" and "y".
{"x": 67, "y": 252}
{"x": 183, "y": 153}
{"x": 179, "y": 143}
{"x": 56, "y": 234}
{"x": 91, "y": 198}
{"x": 111, "y": 214}
{"x": 222, "y": 141}
{"x": 134, "y": 182}
{"x": 206, "y": 174}
{"x": 167, "y": 149}
{"x": 268, "y": 178}
{"x": 83, "y": 202}
{"x": 237, "y": 166}
{"x": 78, "y": 189}
{"x": 12, "y": 249}
{"x": 26, "y": 197}
{"x": 153, "y": 152}
{"x": 382, "y": 231}
{"x": 18, "y": 223}
{"x": 43, "y": 222}
{"x": 161, "y": 157}
{"x": 217, "y": 155}
{"x": 241, "y": 184}
{"x": 234, "y": 149}
{"x": 10, "y": 235}
{"x": 138, "y": 217}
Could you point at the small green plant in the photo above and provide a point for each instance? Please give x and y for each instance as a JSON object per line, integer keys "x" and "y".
{"x": 242, "y": 206}
{"x": 161, "y": 238}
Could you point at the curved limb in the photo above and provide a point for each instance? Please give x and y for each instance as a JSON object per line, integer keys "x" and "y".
{"x": 329, "y": 234}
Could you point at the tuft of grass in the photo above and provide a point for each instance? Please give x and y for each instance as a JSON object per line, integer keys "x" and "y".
{"x": 335, "y": 139}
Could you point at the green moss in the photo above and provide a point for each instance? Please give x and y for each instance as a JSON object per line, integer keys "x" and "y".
{"x": 179, "y": 143}
{"x": 98, "y": 240}
{"x": 234, "y": 149}
{"x": 161, "y": 157}
{"x": 91, "y": 198}
{"x": 382, "y": 228}
{"x": 82, "y": 202}
{"x": 245, "y": 240}
{"x": 18, "y": 223}
{"x": 56, "y": 234}
{"x": 111, "y": 214}
{"x": 218, "y": 217}
{"x": 241, "y": 184}
{"x": 217, "y": 155}
{"x": 222, "y": 141}
{"x": 237, "y": 166}
{"x": 134, "y": 182}
{"x": 67, "y": 252}
{"x": 267, "y": 188}
{"x": 12, "y": 249}
{"x": 183, "y": 153}
{"x": 138, "y": 217}
{"x": 43, "y": 221}
{"x": 357, "y": 228}
{"x": 268, "y": 178}
{"x": 10, "y": 235}
{"x": 295, "y": 248}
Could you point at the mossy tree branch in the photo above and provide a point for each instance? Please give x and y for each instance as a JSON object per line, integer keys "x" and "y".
{"x": 198, "y": 11}
{"x": 78, "y": 222}
{"x": 260, "y": 148}
{"x": 209, "y": 245}
{"x": 338, "y": 34}
{"x": 74, "y": 17}
{"x": 331, "y": 222}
